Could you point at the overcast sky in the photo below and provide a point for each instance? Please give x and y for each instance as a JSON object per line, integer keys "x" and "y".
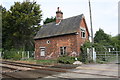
{"x": 104, "y": 12}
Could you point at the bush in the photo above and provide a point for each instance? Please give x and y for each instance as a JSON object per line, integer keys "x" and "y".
{"x": 6, "y": 55}
{"x": 66, "y": 59}
{"x": 12, "y": 54}
{"x": 100, "y": 61}
{"x": 16, "y": 56}
{"x": 46, "y": 62}
{"x": 83, "y": 58}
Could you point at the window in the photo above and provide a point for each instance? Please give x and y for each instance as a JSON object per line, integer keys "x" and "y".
{"x": 83, "y": 32}
{"x": 42, "y": 51}
{"x": 48, "y": 42}
{"x": 62, "y": 50}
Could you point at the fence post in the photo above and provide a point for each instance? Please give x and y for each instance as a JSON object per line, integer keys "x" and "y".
{"x": 88, "y": 54}
{"x": 22, "y": 54}
{"x": 109, "y": 49}
{"x": 28, "y": 54}
{"x": 94, "y": 55}
{"x": 18, "y": 52}
{"x": 117, "y": 55}
{"x": 34, "y": 54}
{"x": 0, "y": 54}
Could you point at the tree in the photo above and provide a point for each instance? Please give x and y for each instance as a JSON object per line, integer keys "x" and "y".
{"x": 116, "y": 42}
{"x": 103, "y": 40}
{"x": 101, "y": 37}
{"x": 6, "y": 31}
{"x": 20, "y": 24}
{"x": 48, "y": 20}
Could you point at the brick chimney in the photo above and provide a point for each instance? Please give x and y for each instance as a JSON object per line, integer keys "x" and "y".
{"x": 59, "y": 16}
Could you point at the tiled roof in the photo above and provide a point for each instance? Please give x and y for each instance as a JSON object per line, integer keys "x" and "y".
{"x": 66, "y": 26}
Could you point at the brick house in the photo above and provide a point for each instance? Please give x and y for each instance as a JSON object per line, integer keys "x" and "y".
{"x": 63, "y": 37}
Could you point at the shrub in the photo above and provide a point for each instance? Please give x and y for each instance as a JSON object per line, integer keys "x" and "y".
{"x": 12, "y": 54}
{"x": 66, "y": 59}
{"x": 16, "y": 56}
{"x": 6, "y": 55}
{"x": 46, "y": 62}
{"x": 83, "y": 58}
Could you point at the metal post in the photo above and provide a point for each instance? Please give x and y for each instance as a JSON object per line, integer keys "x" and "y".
{"x": 116, "y": 54}
{"x": 92, "y": 40}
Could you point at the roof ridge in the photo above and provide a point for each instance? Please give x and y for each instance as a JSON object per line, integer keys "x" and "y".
{"x": 63, "y": 19}
{"x": 73, "y": 16}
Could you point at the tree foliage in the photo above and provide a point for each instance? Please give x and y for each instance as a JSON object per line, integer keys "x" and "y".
{"x": 103, "y": 40}
{"x": 48, "y": 20}
{"x": 104, "y": 44}
{"x": 84, "y": 55}
{"x": 116, "y": 41}
{"x": 20, "y": 24}
{"x": 101, "y": 37}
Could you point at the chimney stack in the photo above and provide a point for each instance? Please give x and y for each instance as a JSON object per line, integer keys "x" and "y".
{"x": 59, "y": 16}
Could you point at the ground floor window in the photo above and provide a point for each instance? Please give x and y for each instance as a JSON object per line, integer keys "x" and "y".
{"x": 62, "y": 50}
{"x": 42, "y": 51}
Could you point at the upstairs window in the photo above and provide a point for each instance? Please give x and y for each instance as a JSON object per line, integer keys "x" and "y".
{"x": 83, "y": 34}
{"x": 48, "y": 41}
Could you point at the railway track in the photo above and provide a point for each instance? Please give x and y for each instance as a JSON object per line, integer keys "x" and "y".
{"x": 34, "y": 66}
{"x": 9, "y": 69}
{"x": 43, "y": 69}
{"x": 55, "y": 66}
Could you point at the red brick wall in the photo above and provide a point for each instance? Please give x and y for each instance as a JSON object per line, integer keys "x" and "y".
{"x": 80, "y": 40}
{"x": 72, "y": 42}
{"x": 69, "y": 41}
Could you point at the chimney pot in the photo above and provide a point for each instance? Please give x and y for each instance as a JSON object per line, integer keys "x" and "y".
{"x": 59, "y": 15}
{"x": 58, "y": 8}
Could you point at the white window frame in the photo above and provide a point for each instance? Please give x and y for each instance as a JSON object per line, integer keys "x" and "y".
{"x": 48, "y": 41}
{"x": 64, "y": 50}
{"x": 83, "y": 31}
{"x": 42, "y": 54}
